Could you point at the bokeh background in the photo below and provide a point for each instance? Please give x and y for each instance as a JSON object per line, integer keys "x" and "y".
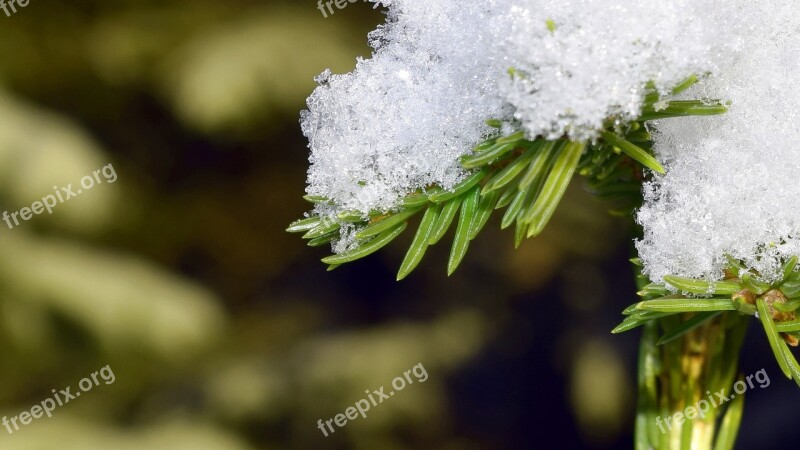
{"x": 223, "y": 331}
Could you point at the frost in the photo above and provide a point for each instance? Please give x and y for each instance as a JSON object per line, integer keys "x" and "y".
{"x": 731, "y": 186}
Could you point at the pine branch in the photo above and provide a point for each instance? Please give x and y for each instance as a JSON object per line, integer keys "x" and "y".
{"x": 773, "y": 304}
{"x": 526, "y": 178}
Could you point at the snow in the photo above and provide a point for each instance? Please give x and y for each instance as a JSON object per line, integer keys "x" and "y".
{"x": 731, "y": 186}
{"x": 403, "y": 118}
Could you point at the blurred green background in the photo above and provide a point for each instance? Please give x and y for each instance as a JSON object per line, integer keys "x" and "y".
{"x": 223, "y": 331}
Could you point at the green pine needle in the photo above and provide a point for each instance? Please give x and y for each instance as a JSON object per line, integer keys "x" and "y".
{"x": 775, "y": 341}
{"x": 366, "y": 249}
{"x": 462, "y": 237}
{"x": 420, "y": 243}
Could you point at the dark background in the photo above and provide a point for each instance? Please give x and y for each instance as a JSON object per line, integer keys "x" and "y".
{"x": 225, "y": 332}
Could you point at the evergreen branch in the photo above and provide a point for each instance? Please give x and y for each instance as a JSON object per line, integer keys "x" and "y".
{"x": 527, "y": 178}
{"x": 743, "y": 293}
